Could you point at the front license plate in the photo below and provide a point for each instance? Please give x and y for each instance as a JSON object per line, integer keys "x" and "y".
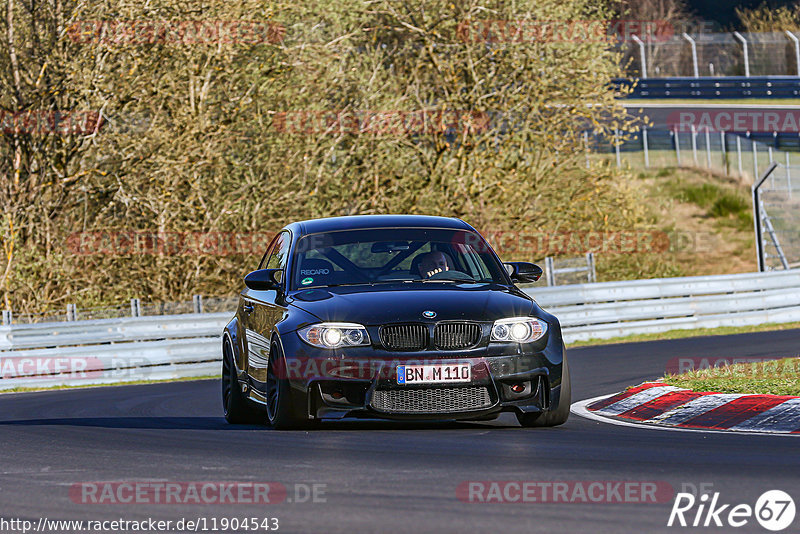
{"x": 434, "y": 374}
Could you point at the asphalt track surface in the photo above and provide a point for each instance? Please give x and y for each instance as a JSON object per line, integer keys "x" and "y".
{"x": 383, "y": 476}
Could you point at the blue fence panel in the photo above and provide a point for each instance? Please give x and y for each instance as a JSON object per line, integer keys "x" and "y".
{"x": 717, "y": 88}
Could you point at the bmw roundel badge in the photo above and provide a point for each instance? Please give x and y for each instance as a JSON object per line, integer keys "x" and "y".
{"x": 428, "y": 314}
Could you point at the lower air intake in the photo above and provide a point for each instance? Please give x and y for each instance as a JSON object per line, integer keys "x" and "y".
{"x": 431, "y": 400}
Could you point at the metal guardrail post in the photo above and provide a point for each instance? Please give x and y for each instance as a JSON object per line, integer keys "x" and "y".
{"x": 796, "y": 41}
{"x": 677, "y": 146}
{"x": 746, "y": 54}
{"x": 197, "y": 301}
{"x": 694, "y": 145}
{"x": 72, "y": 312}
{"x": 7, "y": 318}
{"x": 549, "y": 271}
{"x": 755, "y": 159}
{"x": 646, "y": 149}
{"x": 616, "y": 147}
{"x": 708, "y": 148}
{"x": 590, "y": 265}
{"x": 757, "y": 216}
{"x": 136, "y": 308}
{"x": 694, "y": 54}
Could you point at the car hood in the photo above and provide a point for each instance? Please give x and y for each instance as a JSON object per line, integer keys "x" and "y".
{"x": 383, "y": 304}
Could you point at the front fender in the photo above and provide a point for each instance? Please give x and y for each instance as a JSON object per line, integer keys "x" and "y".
{"x": 232, "y": 330}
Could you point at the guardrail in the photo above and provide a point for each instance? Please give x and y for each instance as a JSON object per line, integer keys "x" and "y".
{"x": 181, "y": 346}
{"x": 106, "y": 351}
{"x": 612, "y": 309}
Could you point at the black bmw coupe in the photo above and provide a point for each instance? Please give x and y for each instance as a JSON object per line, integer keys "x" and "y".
{"x": 393, "y": 317}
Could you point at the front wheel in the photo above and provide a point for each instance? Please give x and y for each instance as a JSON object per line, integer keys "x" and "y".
{"x": 280, "y": 412}
{"x": 552, "y": 418}
{"x": 235, "y": 405}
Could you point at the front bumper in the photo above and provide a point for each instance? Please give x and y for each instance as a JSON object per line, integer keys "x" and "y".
{"x": 362, "y": 381}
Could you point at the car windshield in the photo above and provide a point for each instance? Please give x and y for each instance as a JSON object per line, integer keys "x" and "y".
{"x": 392, "y": 255}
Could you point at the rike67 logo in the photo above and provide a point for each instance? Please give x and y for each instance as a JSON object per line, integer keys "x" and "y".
{"x": 774, "y": 510}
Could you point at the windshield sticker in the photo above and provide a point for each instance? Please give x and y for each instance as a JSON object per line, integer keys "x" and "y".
{"x": 306, "y": 281}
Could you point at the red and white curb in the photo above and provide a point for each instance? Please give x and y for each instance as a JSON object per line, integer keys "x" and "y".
{"x": 667, "y": 407}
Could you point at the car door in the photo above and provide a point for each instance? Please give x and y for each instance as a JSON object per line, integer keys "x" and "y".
{"x": 262, "y": 310}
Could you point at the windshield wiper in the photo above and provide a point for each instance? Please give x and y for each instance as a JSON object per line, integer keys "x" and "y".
{"x": 433, "y": 280}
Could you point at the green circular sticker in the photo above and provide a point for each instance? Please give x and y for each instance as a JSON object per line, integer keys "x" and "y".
{"x": 306, "y": 281}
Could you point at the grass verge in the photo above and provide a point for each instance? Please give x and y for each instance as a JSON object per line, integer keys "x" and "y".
{"x": 774, "y": 377}
{"x": 83, "y": 386}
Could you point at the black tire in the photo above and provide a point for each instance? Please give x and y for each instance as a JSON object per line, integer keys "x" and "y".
{"x": 280, "y": 412}
{"x": 237, "y": 409}
{"x": 552, "y": 418}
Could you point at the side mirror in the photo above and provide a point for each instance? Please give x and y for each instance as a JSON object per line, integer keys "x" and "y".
{"x": 264, "y": 279}
{"x": 523, "y": 272}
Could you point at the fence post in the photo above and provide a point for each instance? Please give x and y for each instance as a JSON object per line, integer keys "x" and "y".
{"x": 586, "y": 146}
{"x": 548, "y": 268}
{"x": 755, "y": 159}
{"x": 788, "y": 176}
{"x": 616, "y": 147}
{"x": 757, "y": 216}
{"x": 739, "y": 152}
{"x": 7, "y": 317}
{"x": 796, "y": 41}
{"x": 708, "y": 148}
{"x": 677, "y": 146}
{"x": 694, "y": 145}
{"x": 72, "y": 312}
{"x": 746, "y": 59}
{"x": 694, "y": 54}
{"x": 724, "y": 139}
{"x": 642, "y": 54}
{"x": 771, "y": 161}
{"x": 590, "y": 264}
{"x": 136, "y": 308}
{"x": 197, "y": 301}
{"x": 646, "y": 149}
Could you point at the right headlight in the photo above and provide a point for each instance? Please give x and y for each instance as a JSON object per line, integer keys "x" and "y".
{"x": 518, "y": 330}
{"x": 334, "y": 335}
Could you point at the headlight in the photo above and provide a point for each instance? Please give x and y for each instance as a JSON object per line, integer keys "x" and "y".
{"x": 518, "y": 329}
{"x": 334, "y": 335}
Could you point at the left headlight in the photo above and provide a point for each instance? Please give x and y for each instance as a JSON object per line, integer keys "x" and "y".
{"x": 334, "y": 335}
{"x": 518, "y": 330}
